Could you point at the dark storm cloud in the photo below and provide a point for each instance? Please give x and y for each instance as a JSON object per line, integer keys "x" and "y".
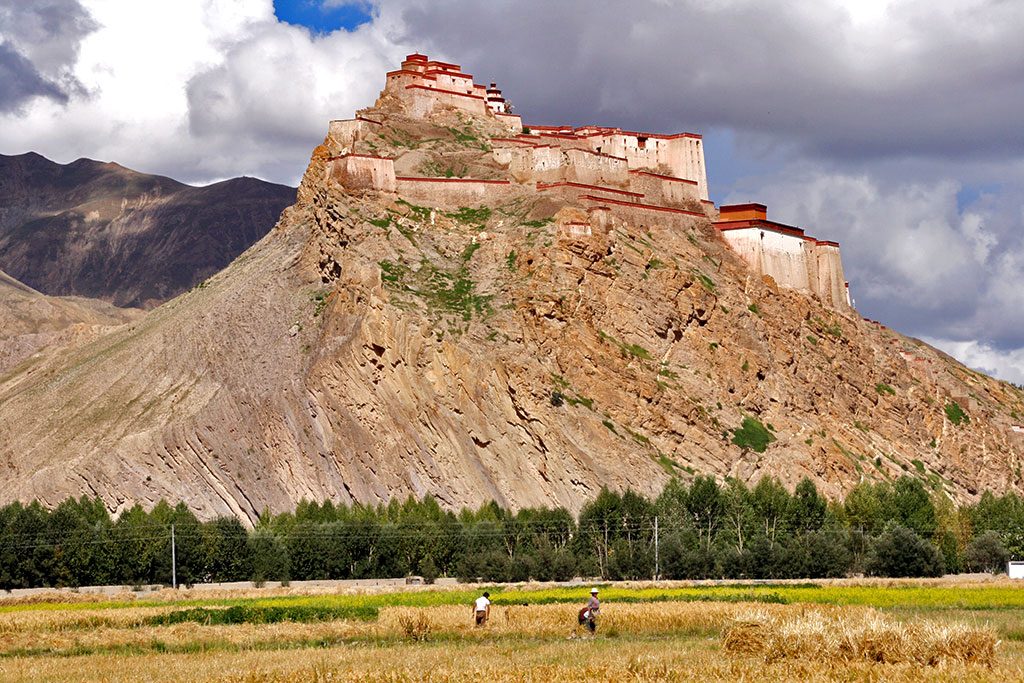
{"x": 934, "y": 79}
{"x": 19, "y": 81}
{"x": 39, "y": 42}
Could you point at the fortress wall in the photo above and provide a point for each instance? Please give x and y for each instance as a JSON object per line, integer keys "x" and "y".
{"x": 664, "y": 190}
{"x": 575, "y": 192}
{"x": 647, "y": 214}
{"x": 423, "y": 100}
{"x": 596, "y": 169}
{"x": 452, "y": 192}
{"x": 574, "y": 230}
{"x": 566, "y": 141}
{"x": 681, "y": 155}
{"x": 456, "y": 82}
{"x": 346, "y": 132}
{"x": 361, "y": 172}
{"x": 513, "y": 121}
{"x": 777, "y": 254}
{"x": 532, "y": 164}
{"x": 831, "y": 281}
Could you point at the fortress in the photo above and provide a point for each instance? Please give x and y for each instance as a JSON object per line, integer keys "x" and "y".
{"x": 634, "y": 175}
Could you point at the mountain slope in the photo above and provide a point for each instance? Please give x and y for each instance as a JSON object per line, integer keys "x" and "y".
{"x": 518, "y": 350}
{"x": 103, "y": 231}
{"x": 30, "y": 321}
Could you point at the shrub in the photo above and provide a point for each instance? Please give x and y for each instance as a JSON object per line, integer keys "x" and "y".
{"x": 956, "y": 414}
{"x": 752, "y": 435}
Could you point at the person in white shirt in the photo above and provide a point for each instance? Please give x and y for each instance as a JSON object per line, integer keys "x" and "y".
{"x": 482, "y": 609}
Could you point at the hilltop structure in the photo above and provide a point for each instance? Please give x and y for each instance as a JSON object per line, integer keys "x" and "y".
{"x": 636, "y": 175}
{"x": 785, "y": 253}
{"x": 460, "y": 306}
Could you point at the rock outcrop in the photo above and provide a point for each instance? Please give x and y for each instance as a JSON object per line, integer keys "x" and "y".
{"x": 527, "y": 347}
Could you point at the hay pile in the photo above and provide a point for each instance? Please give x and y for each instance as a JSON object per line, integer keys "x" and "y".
{"x": 837, "y": 636}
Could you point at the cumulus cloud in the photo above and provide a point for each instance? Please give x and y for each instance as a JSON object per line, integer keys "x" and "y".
{"x": 39, "y": 44}
{"x": 202, "y": 90}
{"x": 1005, "y": 364}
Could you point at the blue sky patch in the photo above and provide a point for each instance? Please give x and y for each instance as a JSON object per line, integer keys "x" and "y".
{"x": 321, "y": 17}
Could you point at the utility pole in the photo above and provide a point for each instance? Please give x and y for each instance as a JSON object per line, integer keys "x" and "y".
{"x": 657, "y": 564}
{"x": 174, "y": 562}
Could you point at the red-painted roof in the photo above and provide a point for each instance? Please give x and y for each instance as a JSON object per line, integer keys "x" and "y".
{"x": 743, "y": 207}
{"x": 449, "y": 65}
{"x": 453, "y": 74}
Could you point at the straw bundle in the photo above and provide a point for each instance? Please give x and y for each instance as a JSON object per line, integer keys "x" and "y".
{"x": 833, "y": 636}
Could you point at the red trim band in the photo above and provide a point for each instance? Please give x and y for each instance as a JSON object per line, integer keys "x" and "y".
{"x": 634, "y": 205}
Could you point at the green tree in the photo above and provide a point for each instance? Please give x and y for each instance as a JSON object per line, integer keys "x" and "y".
{"x": 986, "y": 553}
{"x": 269, "y": 556}
{"x": 899, "y": 552}
{"x": 806, "y": 510}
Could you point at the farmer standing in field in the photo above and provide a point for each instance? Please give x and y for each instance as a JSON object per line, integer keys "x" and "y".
{"x": 482, "y": 609}
{"x": 588, "y": 615}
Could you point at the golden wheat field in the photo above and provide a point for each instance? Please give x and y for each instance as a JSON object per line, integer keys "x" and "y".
{"x": 911, "y": 631}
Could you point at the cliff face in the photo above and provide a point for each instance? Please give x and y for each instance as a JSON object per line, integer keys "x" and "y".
{"x": 528, "y": 348}
{"x": 103, "y": 231}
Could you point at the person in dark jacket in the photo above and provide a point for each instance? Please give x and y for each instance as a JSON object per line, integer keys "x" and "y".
{"x": 588, "y": 615}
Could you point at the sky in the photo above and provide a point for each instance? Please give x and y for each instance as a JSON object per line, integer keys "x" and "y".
{"x": 891, "y": 126}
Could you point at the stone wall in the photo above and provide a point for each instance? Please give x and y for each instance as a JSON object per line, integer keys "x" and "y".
{"x": 452, "y": 192}
{"x": 362, "y": 172}
{"x": 542, "y": 163}
{"x": 831, "y": 281}
{"x": 782, "y": 256}
{"x": 595, "y": 168}
{"x": 663, "y": 189}
{"x": 346, "y": 132}
{"x": 793, "y": 260}
{"x": 646, "y": 214}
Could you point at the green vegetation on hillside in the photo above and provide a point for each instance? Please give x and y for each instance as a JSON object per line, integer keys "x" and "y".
{"x": 956, "y": 414}
{"x": 752, "y": 435}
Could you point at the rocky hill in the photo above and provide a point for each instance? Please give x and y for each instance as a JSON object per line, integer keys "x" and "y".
{"x": 30, "y": 321}
{"x": 103, "y": 231}
{"x": 523, "y": 346}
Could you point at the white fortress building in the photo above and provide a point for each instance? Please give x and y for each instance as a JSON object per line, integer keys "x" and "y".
{"x": 785, "y": 253}
{"x": 609, "y": 171}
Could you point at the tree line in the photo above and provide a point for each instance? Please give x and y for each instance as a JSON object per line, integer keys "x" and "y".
{"x": 696, "y": 530}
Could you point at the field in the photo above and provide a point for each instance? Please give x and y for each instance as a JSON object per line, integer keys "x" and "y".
{"x": 842, "y": 630}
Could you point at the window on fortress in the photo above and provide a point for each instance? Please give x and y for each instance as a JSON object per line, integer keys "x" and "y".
{"x": 641, "y": 142}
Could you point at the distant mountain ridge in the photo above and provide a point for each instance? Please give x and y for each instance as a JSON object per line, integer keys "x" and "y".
{"x": 104, "y": 231}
